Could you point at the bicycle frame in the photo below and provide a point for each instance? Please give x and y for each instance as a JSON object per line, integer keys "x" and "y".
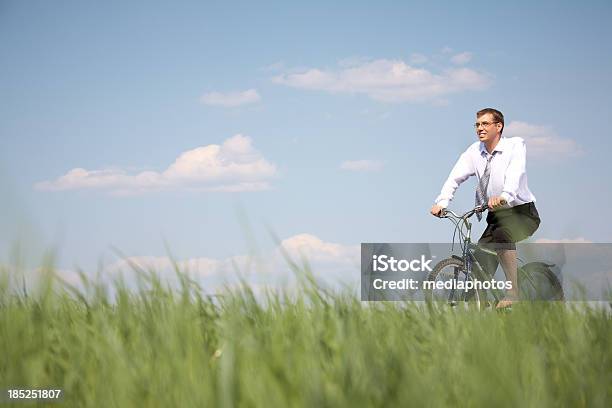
{"x": 472, "y": 268}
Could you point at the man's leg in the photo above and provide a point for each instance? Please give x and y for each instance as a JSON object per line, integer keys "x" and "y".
{"x": 507, "y": 258}
{"x": 502, "y": 235}
{"x": 505, "y": 228}
{"x": 510, "y": 230}
{"x": 488, "y": 262}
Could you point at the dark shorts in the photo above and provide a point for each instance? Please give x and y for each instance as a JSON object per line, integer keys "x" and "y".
{"x": 510, "y": 225}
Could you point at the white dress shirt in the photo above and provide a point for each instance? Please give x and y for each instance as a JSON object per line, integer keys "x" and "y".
{"x": 508, "y": 177}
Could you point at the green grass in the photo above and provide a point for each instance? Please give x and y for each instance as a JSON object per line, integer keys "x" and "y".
{"x": 170, "y": 348}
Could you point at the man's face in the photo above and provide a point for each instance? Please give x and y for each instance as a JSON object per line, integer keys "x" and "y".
{"x": 487, "y": 131}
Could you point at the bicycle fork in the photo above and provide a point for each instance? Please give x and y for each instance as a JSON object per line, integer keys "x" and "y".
{"x": 451, "y": 295}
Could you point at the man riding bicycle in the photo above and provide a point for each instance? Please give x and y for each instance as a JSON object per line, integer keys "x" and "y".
{"x": 499, "y": 164}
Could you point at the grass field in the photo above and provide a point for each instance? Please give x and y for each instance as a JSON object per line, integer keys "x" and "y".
{"x": 180, "y": 348}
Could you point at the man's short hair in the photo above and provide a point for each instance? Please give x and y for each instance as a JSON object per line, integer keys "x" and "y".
{"x": 497, "y": 116}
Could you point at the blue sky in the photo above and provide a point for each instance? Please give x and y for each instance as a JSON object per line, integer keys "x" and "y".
{"x": 351, "y": 115}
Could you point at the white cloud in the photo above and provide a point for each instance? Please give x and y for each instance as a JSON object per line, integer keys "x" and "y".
{"x": 330, "y": 262}
{"x": 542, "y": 141}
{"x": 387, "y": 80}
{"x": 579, "y": 240}
{"x": 417, "y": 59}
{"x": 362, "y": 165}
{"x": 198, "y": 267}
{"x": 230, "y": 99}
{"x": 352, "y": 61}
{"x": 462, "y": 58}
{"x": 274, "y": 67}
{"x": 232, "y": 166}
{"x": 316, "y": 250}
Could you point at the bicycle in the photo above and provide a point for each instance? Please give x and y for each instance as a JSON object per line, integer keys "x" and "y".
{"x": 534, "y": 282}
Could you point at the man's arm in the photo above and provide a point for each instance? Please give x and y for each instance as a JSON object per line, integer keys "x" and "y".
{"x": 462, "y": 170}
{"x": 515, "y": 171}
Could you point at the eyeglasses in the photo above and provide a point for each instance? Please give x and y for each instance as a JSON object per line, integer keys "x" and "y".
{"x": 484, "y": 124}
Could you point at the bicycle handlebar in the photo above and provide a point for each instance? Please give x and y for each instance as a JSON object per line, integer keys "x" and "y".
{"x": 444, "y": 213}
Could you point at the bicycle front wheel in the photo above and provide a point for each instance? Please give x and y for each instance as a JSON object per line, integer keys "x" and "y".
{"x": 442, "y": 281}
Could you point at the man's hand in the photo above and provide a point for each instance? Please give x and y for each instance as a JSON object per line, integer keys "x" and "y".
{"x": 436, "y": 210}
{"x": 496, "y": 202}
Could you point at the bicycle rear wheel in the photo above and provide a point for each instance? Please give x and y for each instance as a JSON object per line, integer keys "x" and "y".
{"x": 441, "y": 287}
{"x": 538, "y": 282}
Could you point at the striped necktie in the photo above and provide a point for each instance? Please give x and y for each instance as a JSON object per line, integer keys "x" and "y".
{"x": 483, "y": 183}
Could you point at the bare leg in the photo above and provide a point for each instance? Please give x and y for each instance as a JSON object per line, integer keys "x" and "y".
{"x": 507, "y": 258}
